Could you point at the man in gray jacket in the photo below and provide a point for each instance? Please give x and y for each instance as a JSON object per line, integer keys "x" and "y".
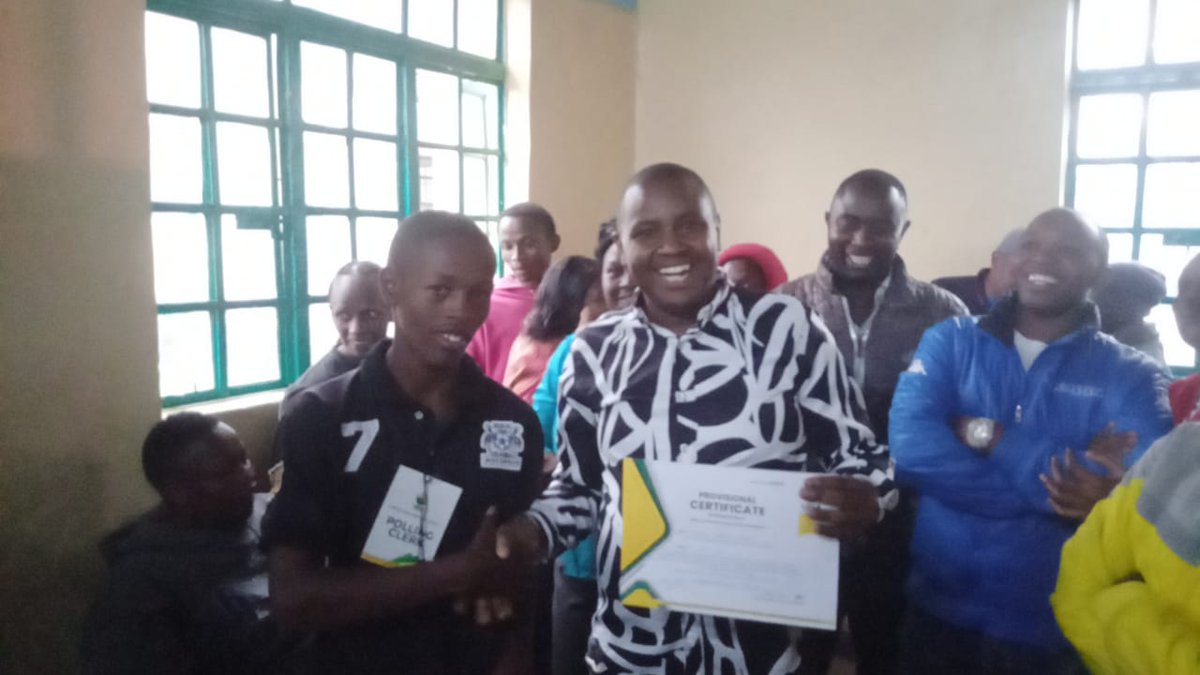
{"x": 877, "y": 315}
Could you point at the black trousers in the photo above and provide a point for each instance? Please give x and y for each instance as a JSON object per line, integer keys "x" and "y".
{"x": 871, "y": 596}
{"x": 932, "y": 646}
{"x": 573, "y": 607}
{"x": 575, "y": 602}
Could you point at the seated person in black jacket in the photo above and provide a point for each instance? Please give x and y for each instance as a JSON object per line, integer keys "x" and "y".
{"x": 187, "y": 584}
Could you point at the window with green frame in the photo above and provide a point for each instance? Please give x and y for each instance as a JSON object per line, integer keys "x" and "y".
{"x": 1133, "y": 164}
{"x": 288, "y": 137}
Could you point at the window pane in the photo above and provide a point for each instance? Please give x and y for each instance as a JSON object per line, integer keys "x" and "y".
{"x": 492, "y": 229}
{"x": 1106, "y": 194}
{"x": 180, "y": 257}
{"x": 1170, "y": 199}
{"x": 374, "y": 94}
{"x": 328, "y": 249}
{"x": 184, "y": 353}
{"x": 172, "y": 60}
{"x": 374, "y": 239}
{"x": 176, "y": 171}
{"x": 1112, "y": 33}
{"x": 1177, "y": 352}
{"x": 326, "y": 170}
{"x": 375, "y": 185}
{"x": 1170, "y": 260}
{"x": 248, "y": 262}
{"x": 252, "y": 345}
{"x": 477, "y": 26}
{"x": 244, "y": 164}
{"x": 323, "y": 84}
{"x": 322, "y": 335}
{"x": 240, "y": 73}
{"x": 494, "y": 185}
{"x": 383, "y": 14}
{"x": 1177, "y": 31}
{"x": 481, "y": 185}
{"x": 1120, "y": 248}
{"x": 437, "y": 108}
{"x": 480, "y": 115}
{"x": 1173, "y": 123}
{"x": 1109, "y": 125}
{"x": 432, "y": 21}
{"x": 439, "y": 179}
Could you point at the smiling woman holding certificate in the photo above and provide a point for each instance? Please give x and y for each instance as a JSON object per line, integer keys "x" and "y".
{"x": 700, "y": 373}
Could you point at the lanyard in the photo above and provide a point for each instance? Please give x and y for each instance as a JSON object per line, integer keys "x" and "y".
{"x": 425, "y": 480}
{"x": 860, "y": 333}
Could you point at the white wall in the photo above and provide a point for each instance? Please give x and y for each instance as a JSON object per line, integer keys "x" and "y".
{"x": 775, "y": 101}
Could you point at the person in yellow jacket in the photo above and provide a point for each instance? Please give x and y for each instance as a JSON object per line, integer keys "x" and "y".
{"x": 1128, "y": 593}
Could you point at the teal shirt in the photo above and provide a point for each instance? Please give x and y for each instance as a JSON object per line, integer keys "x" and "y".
{"x": 579, "y": 562}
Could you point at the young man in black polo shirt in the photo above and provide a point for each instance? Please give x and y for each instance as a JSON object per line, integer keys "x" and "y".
{"x": 420, "y": 414}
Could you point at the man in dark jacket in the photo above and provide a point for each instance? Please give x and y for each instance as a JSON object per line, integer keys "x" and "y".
{"x": 877, "y": 314}
{"x": 187, "y": 585}
{"x": 360, "y": 316}
{"x": 1126, "y": 296}
{"x": 1011, "y": 427}
{"x": 980, "y": 291}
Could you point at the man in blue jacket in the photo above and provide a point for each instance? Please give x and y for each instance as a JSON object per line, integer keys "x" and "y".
{"x": 985, "y": 425}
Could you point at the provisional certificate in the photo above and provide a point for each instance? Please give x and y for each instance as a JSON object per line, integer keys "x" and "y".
{"x": 726, "y": 541}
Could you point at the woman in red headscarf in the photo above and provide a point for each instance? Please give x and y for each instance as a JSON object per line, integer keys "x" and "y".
{"x": 752, "y": 267}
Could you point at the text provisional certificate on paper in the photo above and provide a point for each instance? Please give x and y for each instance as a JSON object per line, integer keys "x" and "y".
{"x": 726, "y": 541}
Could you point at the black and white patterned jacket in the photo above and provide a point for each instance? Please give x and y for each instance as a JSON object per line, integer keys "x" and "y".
{"x": 758, "y": 382}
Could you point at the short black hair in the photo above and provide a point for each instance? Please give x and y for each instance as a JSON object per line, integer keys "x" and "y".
{"x": 561, "y": 297}
{"x": 671, "y": 171}
{"x": 534, "y": 213}
{"x": 423, "y": 227}
{"x": 1066, "y": 215}
{"x": 354, "y": 268}
{"x": 168, "y": 444}
{"x": 874, "y": 180}
{"x": 605, "y": 238}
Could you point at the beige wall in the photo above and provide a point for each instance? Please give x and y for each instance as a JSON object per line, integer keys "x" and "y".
{"x": 78, "y": 383}
{"x": 775, "y": 101}
{"x": 581, "y": 112}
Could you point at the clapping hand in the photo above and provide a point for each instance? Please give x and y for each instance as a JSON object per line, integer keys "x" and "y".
{"x": 1073, "y": 489}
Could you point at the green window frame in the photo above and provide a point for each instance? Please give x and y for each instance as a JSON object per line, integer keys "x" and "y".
{"x": 309, "y": 183}
{"x": 1133, "y": 140}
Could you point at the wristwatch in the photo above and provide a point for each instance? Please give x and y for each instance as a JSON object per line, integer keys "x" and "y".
{"x": 980, "y": 431}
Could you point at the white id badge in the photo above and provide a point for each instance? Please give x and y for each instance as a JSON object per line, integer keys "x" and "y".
{"x": 416, "y": 507}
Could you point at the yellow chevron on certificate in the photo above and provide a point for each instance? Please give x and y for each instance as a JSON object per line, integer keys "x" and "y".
{"x": 725, "y": 541}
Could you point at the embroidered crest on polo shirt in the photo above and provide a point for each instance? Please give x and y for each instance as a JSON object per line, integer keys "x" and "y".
{"x": 501, "y": 444}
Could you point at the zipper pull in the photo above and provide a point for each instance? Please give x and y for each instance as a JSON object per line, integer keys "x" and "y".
{"x": 1017, "y": 415}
